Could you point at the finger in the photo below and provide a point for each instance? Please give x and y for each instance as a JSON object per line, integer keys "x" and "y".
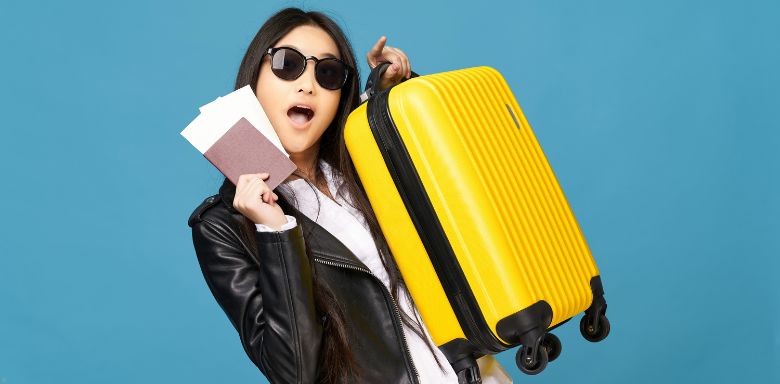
{"x": 400, "y": 58}
{"x": 405, "y": 59}
{"x": 253, "y": 188}
{"x": 376, "y": 51}
{"x": 380, "y": 43}
{"x": 405, "y": 62}
{"x": 245, "y": 192}
{"x": 258, "y": 178}
{"x": 264, "y": 192}
{"x": 241, "y": 185}
{"x": 252, "y": 181}
{"x": 268, "y": 195}
{"x": 392, "y": 71}
{"x": 263, "y": 175}
{"x": 400, "y": 71}
{"x": 408, "y": 72}
{"x": 242, "y": 180}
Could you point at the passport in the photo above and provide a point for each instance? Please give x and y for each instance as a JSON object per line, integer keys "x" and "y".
{"x": 235, "y": 135}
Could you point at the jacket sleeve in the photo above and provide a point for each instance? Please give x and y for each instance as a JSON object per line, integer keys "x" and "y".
{"x": 269, "y": 301}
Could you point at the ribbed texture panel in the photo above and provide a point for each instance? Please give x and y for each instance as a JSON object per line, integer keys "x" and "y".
{"x": 548, "y": 246}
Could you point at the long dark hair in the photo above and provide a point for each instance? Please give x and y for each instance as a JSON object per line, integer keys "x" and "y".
{"x": 337, "y": 363}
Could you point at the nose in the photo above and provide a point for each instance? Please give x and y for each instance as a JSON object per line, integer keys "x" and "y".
{"x": 307, "y": 81}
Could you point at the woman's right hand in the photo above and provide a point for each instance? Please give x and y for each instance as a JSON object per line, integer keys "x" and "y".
{"x": 255, "y": 200}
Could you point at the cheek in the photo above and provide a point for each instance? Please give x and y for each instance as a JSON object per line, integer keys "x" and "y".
{"x": 331, "y": 104}
{"x": 270, "y": 93}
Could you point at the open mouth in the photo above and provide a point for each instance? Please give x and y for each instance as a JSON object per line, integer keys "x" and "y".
{"x": 300, "y": 114}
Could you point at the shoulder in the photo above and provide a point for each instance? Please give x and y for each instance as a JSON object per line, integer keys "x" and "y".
{"x": 214, "y": 225}
{"x": 211, "y": 208}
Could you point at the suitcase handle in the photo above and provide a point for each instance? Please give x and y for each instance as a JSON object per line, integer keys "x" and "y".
{"x": 373, "y": 80}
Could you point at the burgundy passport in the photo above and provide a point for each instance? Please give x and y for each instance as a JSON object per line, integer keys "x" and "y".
{"x": 243, "y": 149}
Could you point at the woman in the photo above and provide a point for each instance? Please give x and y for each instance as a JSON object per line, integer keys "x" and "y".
{"x": 305, "y": 275}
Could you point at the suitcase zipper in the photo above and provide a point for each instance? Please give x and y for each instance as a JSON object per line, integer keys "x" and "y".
{"x": 387, "y": 295}
{"x": 442, "y": 257}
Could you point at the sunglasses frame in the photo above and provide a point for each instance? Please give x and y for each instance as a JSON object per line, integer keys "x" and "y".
{"x": 347, "y": 68}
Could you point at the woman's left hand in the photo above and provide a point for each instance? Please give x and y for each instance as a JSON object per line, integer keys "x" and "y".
{"x": 395, "y": 73}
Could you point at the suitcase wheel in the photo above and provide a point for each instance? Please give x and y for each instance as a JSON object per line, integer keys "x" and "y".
{"x": 532, "y": 360}
{"x": 594, "y": 331}
{"x": 552, "y": 344}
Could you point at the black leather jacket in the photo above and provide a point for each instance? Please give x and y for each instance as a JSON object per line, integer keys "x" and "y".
{"x": 269, "y": 299}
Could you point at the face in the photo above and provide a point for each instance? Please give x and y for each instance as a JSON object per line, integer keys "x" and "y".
{"x": 285, "y": 101}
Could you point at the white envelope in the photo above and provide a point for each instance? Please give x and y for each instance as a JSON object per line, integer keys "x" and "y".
{"x": 218, "y": 116}
{"x": 204, "y": 108}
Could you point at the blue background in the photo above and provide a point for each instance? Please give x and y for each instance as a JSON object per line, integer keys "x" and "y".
{"x": 659, "y": 117}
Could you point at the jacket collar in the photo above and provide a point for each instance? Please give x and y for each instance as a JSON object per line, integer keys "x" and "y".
{"x": 322, "y": 242}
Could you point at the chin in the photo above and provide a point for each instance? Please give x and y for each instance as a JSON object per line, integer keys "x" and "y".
{"x": 296, "y": 147}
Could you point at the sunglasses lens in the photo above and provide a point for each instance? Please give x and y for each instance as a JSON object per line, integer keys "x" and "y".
{"x": 287, "y": 64}
{"x": 331, "y": 74}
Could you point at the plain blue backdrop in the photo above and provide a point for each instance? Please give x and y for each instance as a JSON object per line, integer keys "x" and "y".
{"x": 660, "y": 119}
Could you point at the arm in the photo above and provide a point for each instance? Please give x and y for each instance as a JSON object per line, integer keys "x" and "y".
{"x": 269, "y": 301}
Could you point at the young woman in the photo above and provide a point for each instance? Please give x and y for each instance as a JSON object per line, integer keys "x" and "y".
{"x": 303, "y": 272}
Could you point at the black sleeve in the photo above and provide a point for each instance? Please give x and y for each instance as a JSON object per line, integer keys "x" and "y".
{"x": 269, "y": 301}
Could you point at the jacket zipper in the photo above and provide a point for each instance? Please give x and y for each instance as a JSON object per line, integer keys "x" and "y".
{"x": 388, "y": 295}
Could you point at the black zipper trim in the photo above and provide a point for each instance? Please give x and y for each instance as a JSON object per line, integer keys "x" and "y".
{"x": 420, "y": 208}
{"x": 396, "y": 324}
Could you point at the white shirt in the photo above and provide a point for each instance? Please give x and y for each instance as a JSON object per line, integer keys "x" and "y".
{"x": 347, "y": 224}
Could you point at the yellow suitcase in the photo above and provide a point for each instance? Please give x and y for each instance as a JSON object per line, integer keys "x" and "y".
{"x": 474, "y": 216}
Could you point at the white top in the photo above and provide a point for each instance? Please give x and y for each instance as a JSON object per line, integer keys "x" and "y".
{"x": 347, "y": 224}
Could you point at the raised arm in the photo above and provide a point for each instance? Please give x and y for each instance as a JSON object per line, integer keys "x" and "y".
{"x": 269, "y": 300}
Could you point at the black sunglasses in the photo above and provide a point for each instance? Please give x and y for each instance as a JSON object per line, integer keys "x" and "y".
{"x": 289, "y": 64}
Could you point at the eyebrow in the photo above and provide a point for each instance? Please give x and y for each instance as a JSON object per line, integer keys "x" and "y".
{"x": 321, "y": 56}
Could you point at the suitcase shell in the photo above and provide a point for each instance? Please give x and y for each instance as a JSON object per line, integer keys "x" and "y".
{"x": 486, "y": 235}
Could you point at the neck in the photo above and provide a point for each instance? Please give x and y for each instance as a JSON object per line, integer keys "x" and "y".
{"x": 306, "y": 162}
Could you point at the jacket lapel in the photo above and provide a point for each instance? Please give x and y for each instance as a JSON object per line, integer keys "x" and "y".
{"x": 324, "y": 244}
